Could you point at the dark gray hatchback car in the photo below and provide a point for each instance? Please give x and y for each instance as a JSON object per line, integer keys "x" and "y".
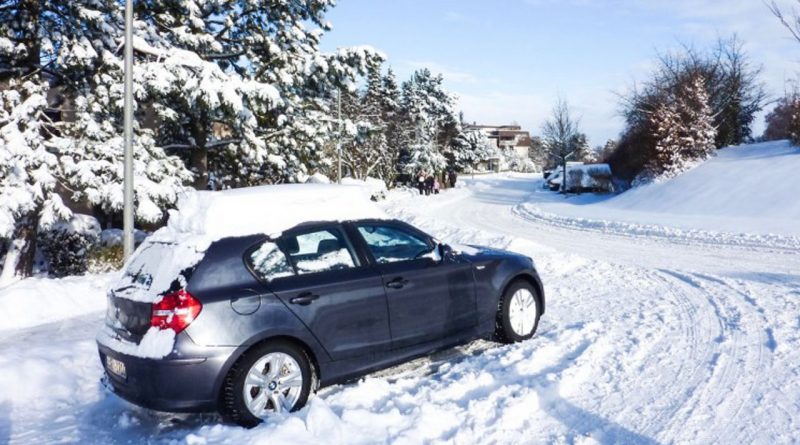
{"x": 259, "y": 323}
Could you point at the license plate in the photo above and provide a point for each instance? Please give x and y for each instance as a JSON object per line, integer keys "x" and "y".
{"x": 116, "y": 367}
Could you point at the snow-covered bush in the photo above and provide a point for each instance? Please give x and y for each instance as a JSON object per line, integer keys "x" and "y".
{"x": 317, "y": 178}
{"x": 512, "y": 160}
{"x": 794, "y": 126}
{"x": 66, "y": 245}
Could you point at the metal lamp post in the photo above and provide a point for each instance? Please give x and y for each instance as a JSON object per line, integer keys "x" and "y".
{"x": 127, "y": 213}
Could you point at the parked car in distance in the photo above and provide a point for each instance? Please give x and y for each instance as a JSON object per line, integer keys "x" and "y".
{"x": 582, "y": 178}
{"x": 260, "y": 322}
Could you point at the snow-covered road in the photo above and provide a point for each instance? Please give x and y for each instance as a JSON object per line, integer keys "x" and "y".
{"x": 646, "y": 339}
{"x": 695, "y": 340}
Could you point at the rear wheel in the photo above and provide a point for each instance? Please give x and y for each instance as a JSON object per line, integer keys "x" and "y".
{"x": 273, "y": 378}
{"x": 518, "y": 313}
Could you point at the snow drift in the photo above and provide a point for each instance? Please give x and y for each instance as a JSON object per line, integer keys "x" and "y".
{"x": 743, "y": 189}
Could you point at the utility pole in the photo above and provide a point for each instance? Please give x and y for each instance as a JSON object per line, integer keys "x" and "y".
{"x": 339, "y": 136}
{"x": 127, "y": 213}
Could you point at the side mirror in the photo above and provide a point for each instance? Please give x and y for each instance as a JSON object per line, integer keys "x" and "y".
{"x": 445, "y": 251}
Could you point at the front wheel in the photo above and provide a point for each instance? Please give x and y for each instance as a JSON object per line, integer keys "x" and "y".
{"x": 518, "y": 313}
{"x": 272, "y": 378}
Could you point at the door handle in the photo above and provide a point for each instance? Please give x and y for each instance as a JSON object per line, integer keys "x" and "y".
{"x": 397, "y": 283}
{"x": 304, "y": 299}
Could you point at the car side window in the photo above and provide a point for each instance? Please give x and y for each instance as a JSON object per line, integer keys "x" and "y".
{"x": 390, "y": 244}
{"x": 318, "y": 251}
{"x": 269, "y": 262}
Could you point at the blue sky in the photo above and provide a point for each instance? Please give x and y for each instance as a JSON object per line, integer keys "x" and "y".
{"x": 508, "y": 60}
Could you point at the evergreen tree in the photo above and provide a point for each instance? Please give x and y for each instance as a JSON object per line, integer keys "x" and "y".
{"x": 583, "y": 152}
{"x": 54, "y": 60}
{"x": 262, "y": 112}
{"x": 396, "y": 130}
{"x": 684, "y": 132}
{"x": 794, "y": 126}
{"x": 28, "y": 175}
{"x": 365, "y": 147}
{"x": 537, "y": 153}
{"x": 428, "y": 109}
{"x": 469, "y": 148}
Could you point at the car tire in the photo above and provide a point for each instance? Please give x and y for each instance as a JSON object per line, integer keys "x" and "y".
{"x": 240, "y": 397}
{"x": 516, "y": 319}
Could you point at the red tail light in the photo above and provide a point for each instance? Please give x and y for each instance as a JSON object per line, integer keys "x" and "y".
{"x": 175, "y": 311}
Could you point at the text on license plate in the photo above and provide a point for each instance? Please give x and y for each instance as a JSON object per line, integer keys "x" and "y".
{"x": 116, "y": 367}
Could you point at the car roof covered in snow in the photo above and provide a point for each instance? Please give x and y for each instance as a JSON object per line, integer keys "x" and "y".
{"x": 269, "y": 209}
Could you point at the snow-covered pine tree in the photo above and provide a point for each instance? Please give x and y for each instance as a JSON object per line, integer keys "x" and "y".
{"x": 698, "y": 119}
{"x": 28, "y": 174}
{"x": 471, "y": 147}
{"x": 93, "y": 164}
{"x": 367, "y": 151}
{"x": 667, "y": 159}
{"x": 683, "y": 130}
{"x": 61, "y": 64}
{"x": 427, "y": 108}
{"x": 583, "y": 152}
{"x": 265, "y": 116}
{"x": 48, "y": 51}
{"x": 398, "y": 133}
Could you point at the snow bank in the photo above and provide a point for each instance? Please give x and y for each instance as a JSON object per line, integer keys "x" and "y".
{"x": 376, "y": 187}
{"x": 532, "y": 212}
{"x": 757, "y": 180}
{"x": 744, "y": 189}
{"x": 36, "y": 301}
{"x": 317, "y": 178}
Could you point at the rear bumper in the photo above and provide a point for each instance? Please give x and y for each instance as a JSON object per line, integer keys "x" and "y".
{"x": 175, "y": 384}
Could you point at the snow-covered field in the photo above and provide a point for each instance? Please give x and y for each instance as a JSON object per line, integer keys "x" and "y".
{"x": 660, "y": 336}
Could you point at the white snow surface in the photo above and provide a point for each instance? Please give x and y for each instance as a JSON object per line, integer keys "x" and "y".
{"x": 646, "y": 340}
{"x": 36, "y": 301}
{"x": 267, "y": 209}
{"x": 745, "y": 189}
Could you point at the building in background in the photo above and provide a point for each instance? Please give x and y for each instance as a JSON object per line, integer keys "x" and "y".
{"x": 506, "y": 137}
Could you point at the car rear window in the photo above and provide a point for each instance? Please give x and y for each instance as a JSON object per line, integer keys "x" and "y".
{"x": 269, "y": 262}
{"x": 155, "y": 268}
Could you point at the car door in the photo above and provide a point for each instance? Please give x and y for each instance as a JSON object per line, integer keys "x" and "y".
{"x": 336, "y": 294}
{"x": 429, "y": 297}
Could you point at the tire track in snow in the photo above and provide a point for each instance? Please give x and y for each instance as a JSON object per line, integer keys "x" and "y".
{"x": 726, "y": 338}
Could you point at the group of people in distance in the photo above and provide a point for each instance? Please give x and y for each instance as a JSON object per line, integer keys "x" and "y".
{"x": 428, "y": 184}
